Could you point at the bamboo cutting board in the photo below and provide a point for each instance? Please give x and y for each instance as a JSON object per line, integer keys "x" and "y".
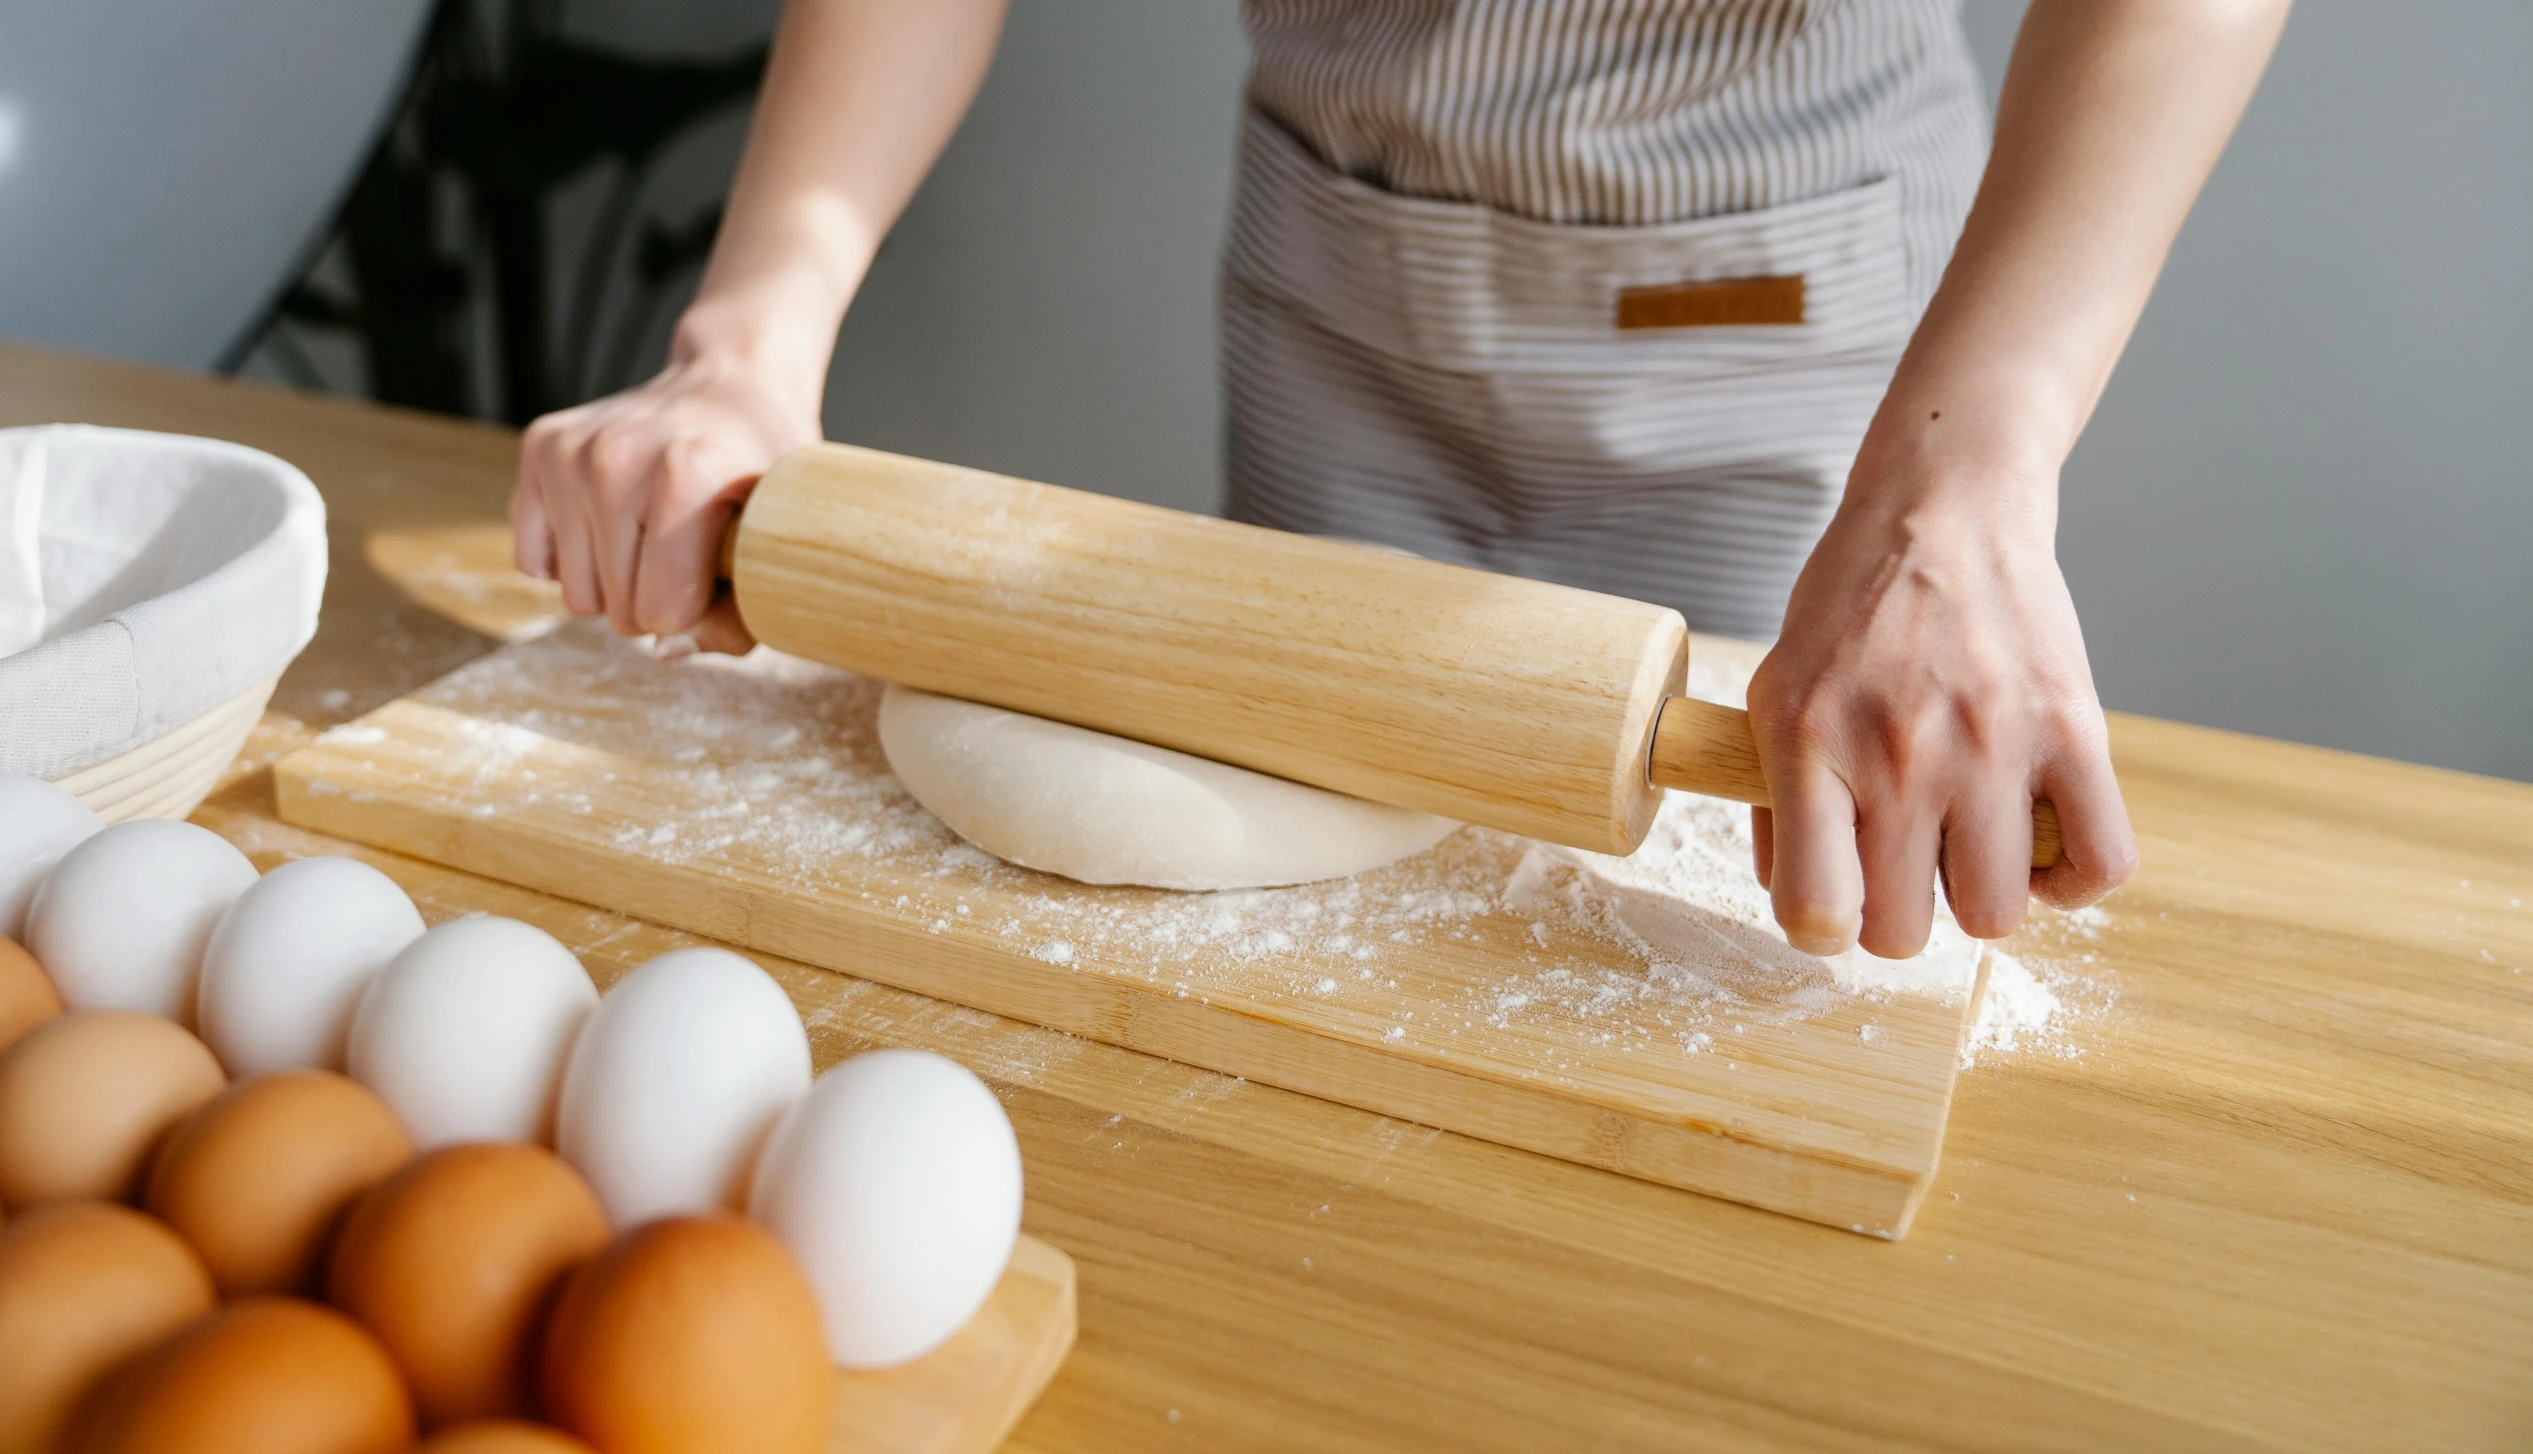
{"x": 964, "y": 1396}
{"x": 1478, "y": 987}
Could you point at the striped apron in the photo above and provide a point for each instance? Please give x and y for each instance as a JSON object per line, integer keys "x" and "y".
{"x": 1593, "y": 291}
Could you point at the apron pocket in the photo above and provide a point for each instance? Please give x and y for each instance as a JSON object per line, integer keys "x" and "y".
{"x": 1451, "y": 286}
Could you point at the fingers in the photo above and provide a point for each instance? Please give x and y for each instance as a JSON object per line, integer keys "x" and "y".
{"x": 1814, "y": 880}
{"x": 693, "y": 496}
{"x": 617, "y": 467}
{"x": 549, "y": 528}
{"x": 1763, "y": 837}
{"x": 2097, "y": 851}
{"x": 623, "y": 502}
{"x": 575, "y": 565}
{"x": 1896, "y": 842}
{"x": 531, "y": 537}
{"x": 1988, "y": 856}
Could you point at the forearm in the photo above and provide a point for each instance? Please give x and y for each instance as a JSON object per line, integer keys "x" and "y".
{"x": 859, "y": 98}
{"x": 2113, "y": 113}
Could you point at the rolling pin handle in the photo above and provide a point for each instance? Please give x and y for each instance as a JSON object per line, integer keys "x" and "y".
{"x": 1700, "y": 747}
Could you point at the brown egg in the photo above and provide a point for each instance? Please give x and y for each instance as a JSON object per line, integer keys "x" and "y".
{"x": 85, "y": 1098}
{"x": 27, "y": 996}
{"x": 263, "y": 1375}
{"x": 258, "y": 1178}
{"x": 83, "y": 1286}
{"x": 690, "y": 1334}
{"x": 453, "y": 1262}
{"x": 502, "y": 1436}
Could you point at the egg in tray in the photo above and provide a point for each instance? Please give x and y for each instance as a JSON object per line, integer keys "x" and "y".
{"x": 284, "y": 1171}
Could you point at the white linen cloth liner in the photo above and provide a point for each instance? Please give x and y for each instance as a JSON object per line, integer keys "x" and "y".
{"x": 144, "y": 579}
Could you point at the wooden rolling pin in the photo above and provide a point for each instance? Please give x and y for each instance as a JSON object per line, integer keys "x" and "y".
{"x": 1536, "y": 708}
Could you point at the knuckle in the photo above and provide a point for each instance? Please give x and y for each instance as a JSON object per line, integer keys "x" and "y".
{"x": 1807, "y": 721}
{"x": 617, "y": 458}
{"x": 1908, "y": 738}
{"x": 2076, "y": 724}
{"x": 682, "y": 459}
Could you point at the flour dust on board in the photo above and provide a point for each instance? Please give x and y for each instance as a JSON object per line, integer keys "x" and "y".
{"x": 778, "y": 767}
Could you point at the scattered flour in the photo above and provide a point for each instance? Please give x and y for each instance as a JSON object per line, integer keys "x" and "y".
{"x": 2017, "y": 1009}
{"x": 770, "y": 768}
{"x": 1688, "y": 907}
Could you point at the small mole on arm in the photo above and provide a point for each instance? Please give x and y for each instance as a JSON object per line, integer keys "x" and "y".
{"x": 1938, "y": 414}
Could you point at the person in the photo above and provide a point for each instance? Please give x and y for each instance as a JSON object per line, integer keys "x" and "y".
{"x": 1725, "y": 304}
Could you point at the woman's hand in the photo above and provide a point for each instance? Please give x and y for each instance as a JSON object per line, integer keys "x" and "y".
{"x": 624, "y": 500}
{"x": 1930, "y": 684}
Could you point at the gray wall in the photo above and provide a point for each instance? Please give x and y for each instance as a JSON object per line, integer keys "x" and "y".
{"x": 1046, "y": 307}
{"x": 163, "y": 167}
{"x": 2305, "y": 508}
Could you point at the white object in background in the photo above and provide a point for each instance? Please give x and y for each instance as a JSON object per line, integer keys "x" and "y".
{"x": 675, "y": 1083}
{"x": 173, "y": 576}
{"x": 284, "y": 971}
{"x": 38, "y": 824}
{"x": 174, "y": 164}
{"x": 465, "y": 1033}
{"x": 121, "y": 921}
{"x": 896, "y": 1182}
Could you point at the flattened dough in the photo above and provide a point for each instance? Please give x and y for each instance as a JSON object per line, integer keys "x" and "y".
{"x": 1110, "y": 810}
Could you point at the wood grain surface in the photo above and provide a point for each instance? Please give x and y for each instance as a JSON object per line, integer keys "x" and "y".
{"x": 964, "y": 1396}
{"x": 2273, "y": 1190}
{"x": 756, "y": 806}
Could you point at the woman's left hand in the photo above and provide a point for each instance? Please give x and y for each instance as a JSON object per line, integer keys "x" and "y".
{"x": 1930, "y": 684}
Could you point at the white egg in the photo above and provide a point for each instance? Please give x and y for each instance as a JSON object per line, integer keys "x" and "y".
{"x": 465, "y": 1033}
{"x": 896, "y": 1182}
{"x": 675, "y": 1083}
{"x": 38, "y": 824}
{"x": 286, "y": 966}
{"x": 121, "y": 921}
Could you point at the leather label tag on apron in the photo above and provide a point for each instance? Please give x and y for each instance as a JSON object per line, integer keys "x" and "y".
{"x": 1719, "y": 303}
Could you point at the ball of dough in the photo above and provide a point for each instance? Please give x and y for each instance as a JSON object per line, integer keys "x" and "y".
{"x": 1110, "y": 810}
{"x": 286, "y": 967}
{"x": 121, "y": 921}
{"x": 38, "y": 824}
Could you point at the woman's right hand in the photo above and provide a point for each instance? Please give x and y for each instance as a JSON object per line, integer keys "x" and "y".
{"x": 623, "y": 500}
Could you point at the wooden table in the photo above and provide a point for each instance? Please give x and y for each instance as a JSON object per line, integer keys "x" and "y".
{"x": 2277, "y": 1193}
